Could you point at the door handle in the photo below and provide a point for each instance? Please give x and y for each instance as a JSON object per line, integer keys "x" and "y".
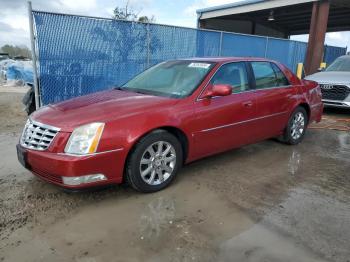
{"x": 248, "y": 104}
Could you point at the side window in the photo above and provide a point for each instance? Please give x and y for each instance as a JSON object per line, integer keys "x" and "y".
{"x": 281, "y": 79}
{"x": 234, "y": 74}
{"x": 265, "y": 76}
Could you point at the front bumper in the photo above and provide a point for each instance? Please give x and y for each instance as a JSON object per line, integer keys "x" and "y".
{"x": 51, "y": 167}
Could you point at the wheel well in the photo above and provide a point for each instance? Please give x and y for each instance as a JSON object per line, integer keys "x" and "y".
{"x": 180, "y": 135}
{"x": 307, "y": 109}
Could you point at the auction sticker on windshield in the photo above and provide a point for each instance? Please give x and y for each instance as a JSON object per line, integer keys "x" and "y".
{"x": 199, "y": 65}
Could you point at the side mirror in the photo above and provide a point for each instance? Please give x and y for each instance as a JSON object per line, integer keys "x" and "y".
{"x": 218, "y": 90}
{"x": 321, "y": 69}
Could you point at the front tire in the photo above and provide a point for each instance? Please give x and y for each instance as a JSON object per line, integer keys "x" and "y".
{"x": 154, "y": 162}
{"x": 297, "y": 124}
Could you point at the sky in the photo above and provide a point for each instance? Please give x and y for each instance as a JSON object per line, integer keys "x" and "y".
{"x": 14, "y": 28}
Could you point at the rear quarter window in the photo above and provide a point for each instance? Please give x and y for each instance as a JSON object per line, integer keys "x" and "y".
{"x": 265, "y": 76}
{"x": 281, "y": 79}
{"x": 268, "y": 75}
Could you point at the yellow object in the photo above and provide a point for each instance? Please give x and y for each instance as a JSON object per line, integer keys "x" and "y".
{"x": 96, "y": 139}
{"x": 323, "y": 65}
{"x": 300, "y": 70}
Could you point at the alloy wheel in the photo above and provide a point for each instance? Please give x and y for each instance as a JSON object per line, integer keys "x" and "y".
{"x": 298, "y": 126}
{"x": 157, "y": 163}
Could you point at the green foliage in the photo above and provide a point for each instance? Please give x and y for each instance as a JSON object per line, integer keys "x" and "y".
{"x": 128, "y": 13}
{"x": 124, "y": 39}
{"x": 124, "y": 14}
{"x": 14, "y": 51}
{"x": 146, "y": 19}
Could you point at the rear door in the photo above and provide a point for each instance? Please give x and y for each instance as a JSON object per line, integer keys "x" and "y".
{"x": 226, "y": 122}
{"x": 274, "y": 97}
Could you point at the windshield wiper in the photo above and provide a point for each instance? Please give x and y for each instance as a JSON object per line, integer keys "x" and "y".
{"x": 134, "y": 90}
{"x": 140, "y": 92}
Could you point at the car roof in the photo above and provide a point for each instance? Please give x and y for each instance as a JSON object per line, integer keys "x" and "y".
{"x": 225, "y": 59}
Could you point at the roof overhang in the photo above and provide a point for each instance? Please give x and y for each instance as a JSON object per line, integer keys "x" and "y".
{"x": 246, "y": 7}
{"x": 291, "y": 17}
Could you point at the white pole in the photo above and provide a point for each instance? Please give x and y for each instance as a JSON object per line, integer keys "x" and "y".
{"x": 266, "y": 46}
{"x": 220, "y": 48}
{"x": 32, "y": 41}
{"x": 148, "y": 45}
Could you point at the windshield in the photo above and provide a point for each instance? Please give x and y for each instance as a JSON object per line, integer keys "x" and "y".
{"x": 172, "y": 79}
{"x": 340, "y": 64}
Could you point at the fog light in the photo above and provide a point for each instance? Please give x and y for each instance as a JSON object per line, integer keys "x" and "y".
{"x": 78, "y": 180}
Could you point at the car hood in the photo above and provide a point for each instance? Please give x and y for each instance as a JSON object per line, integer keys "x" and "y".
{"x": 103, "y": 106}
{"x": 330, "y": 77}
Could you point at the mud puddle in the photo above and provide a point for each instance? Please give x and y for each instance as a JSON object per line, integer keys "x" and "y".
{"x": 183, "y": 223}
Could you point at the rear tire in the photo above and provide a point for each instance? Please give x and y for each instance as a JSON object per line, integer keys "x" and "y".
{"x": 297, "y": 124}
{"x": 154, "y": 162}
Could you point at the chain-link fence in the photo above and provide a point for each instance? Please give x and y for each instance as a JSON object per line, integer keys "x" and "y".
{"x": 78, "y": 55}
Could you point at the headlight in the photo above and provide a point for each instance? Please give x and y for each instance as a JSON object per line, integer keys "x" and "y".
{"x": 84, "y": 139}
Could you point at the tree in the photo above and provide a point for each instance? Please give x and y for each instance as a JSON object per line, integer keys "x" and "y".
{"x": 16, "y": 51}
{"x": 128, "y": 38}
{"x": 128, "y": 13}
{"x": 146, "y": 19}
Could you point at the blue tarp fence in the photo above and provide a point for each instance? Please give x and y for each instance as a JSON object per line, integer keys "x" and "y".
{"x": 79, "y": 55}
{"x": 331, "y": 53}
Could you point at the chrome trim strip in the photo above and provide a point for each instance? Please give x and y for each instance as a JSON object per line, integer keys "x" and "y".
{"x": 242, "y": 122}
{"x": 275, "y": 87}
{"x": 334, "y": 84}
{"x": 339, "y": 106}
{"x": 336, "y": 103}
{"x": 93, "y": 154}
{"x": 44, "y": 125}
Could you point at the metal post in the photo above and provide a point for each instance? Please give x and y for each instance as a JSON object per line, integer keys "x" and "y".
{"x": 32, "y": 41}
{"x": 148, "y": 46}
{"x": 198, "y": 20}
{"x": 310, "y": 45}
{"x": 295, "y": 57}
{"x": 317, "y": 34}
{"x": 266, "y": 47}
{"x": 220, "y": 50}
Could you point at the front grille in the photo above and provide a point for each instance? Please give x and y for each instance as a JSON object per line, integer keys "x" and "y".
{"x": 335, "y": 92}
{"x": 37, "y": 136}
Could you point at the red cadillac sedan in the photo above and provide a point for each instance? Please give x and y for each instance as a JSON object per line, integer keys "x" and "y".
{"x": 169, "y": 115}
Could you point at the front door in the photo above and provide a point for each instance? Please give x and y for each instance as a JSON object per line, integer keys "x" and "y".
{"x": 225, "y": 122}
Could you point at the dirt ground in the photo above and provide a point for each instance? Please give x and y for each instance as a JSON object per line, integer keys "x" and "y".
{"x": 263, "y": 202}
